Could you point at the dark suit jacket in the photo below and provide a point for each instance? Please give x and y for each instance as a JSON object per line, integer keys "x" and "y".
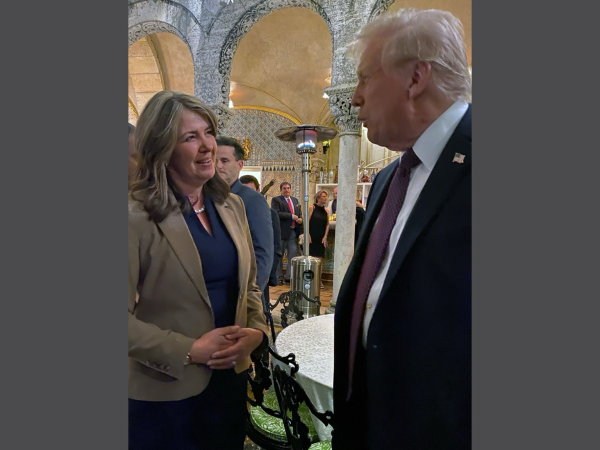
{"x": 417, "y": 364}
{"x": 261, "y": 229}
{"x": 277, "y": 250}
{"x": 280, "y": 205}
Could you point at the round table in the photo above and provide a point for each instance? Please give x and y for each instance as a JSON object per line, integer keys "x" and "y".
{"x": 311, "y": 341}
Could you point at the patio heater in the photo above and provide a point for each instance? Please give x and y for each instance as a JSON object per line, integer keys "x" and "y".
{"x": 306, "y": 270}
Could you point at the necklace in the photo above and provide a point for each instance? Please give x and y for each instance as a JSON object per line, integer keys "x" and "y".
{"x": 198, "y": 211}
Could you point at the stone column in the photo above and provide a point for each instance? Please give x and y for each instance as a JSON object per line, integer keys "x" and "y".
{"x": 350, "y": 129}
{"x": 224, "y": 115}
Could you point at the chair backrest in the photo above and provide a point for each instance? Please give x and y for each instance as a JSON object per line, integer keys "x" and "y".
{"x": 290, "y": 395}
{"x": 260, "y": 381}
{"x": 290, "y": 302}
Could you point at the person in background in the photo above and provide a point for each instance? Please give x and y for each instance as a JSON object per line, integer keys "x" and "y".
{"x": 290, "y": 218}
{"x": 360, "y": 214}
{"x": 252, "y": 183}
{"x": 402, "y": 346}
{"x": 318, "y": 219}
{"x": 199, "y": 315}
{"x": 230, "y": 161}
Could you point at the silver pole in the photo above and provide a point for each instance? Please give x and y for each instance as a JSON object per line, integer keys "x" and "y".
{"x": 305, "y": 172}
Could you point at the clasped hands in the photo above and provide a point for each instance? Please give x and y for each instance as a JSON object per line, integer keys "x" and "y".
{"x": 219, "y": 348}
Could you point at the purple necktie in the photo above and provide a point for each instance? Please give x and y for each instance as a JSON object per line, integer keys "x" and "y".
{"x": 376, "y": 249}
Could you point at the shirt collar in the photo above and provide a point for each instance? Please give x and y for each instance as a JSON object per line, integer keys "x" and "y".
{"x": 430, "y": 144}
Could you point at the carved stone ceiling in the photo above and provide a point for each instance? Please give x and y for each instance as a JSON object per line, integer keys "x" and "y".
{"x": 282, "y": 63}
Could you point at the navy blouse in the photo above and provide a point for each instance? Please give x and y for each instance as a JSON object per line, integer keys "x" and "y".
{"x": 219, "y": 263}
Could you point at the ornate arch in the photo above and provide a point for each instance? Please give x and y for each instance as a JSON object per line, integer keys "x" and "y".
{"x": 160, "y": 16}
{"x": 246, "y": 22}
{"x": 142, "y": 30}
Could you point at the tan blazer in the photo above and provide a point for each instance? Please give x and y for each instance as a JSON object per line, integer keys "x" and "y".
{"x": 173, "y": 309}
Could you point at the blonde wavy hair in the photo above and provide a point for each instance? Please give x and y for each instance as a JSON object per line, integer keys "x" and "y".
{"x": 318, "y": 194}
{"x": 425, "y": 35}
{"x": 155, "y": 139}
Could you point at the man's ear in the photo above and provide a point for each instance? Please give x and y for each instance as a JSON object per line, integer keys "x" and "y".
{"x": 419, "y": 78}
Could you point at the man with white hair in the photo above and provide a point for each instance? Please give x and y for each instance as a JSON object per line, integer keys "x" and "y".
{"x": 402, "y": 376}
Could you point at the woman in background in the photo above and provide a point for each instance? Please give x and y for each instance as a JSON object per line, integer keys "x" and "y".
{"x": 318, "y": 217}
{"x": 191, "y": 260}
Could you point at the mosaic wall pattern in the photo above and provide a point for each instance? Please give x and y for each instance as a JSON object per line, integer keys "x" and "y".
{"x": 279, "y": 159}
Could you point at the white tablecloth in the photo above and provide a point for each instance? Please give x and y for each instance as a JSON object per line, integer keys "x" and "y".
{"x": 311, "y": 340}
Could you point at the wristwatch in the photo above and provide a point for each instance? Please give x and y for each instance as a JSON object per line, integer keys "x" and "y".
{"x": 188, "y": 360}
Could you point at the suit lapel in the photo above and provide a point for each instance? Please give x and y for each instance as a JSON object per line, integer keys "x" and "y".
{"x": 435, "y": 193}
{"x": 178, "y": 235}
{"x": 376, "y": 199}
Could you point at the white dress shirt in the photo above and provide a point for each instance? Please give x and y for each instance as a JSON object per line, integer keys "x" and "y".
{"x": 428, "y": 148}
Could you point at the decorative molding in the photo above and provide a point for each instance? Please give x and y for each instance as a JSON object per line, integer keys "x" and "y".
{"x": 379, "y": 7}
{"x": 223, "y": 114}
{"x": 246, "y": 22}
{"x": 271, "y": 110}
{"x": 141, "y": 30}
{"x": 345, "y": 116}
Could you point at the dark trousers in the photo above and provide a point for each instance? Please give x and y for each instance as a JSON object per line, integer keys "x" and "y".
{"x": 213, "y": 420}
{"x": 288, "y": 246}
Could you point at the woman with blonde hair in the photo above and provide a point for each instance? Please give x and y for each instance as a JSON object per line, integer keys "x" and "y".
{"x": 318, "y": 217}
{"x": 191, "y": 261}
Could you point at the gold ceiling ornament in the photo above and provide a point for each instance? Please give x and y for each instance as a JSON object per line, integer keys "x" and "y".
{"x": 247, "y": 147}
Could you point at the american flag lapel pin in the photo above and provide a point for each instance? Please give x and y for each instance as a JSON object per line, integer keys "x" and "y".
{"x": 459, "y": 158}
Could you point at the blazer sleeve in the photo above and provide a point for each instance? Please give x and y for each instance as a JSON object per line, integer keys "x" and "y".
{"x": 277, "y": 254}
{"x": 255, "y": 316}
{"x": 259, "y": 221}
{"x": 161, "y": 350}
{"x": 298, "y": 209}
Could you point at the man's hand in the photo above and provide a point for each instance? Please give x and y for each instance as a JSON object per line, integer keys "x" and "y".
{"x": 211, "y": 342}
{"x": 298, "y": 220}
{"x": 244, "y": 341}
{"x": 295, "y": 217}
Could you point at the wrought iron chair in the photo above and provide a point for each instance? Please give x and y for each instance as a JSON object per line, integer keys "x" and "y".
{"x": 290, "y": 302}
{"x": 291, "y": 396}
{"x": 280, "y": 419}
